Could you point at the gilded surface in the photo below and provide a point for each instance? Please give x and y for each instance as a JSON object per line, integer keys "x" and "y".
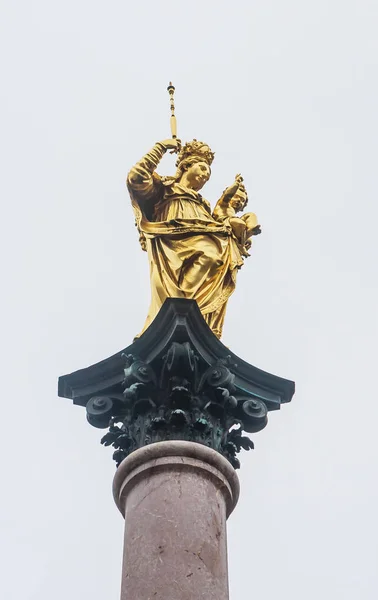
{"x": 193, "y": 252}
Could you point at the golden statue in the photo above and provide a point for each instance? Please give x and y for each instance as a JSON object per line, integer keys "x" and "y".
{"x": 193, "y": 253}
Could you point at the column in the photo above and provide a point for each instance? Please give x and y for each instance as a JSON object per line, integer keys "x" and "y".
{"x": 175, "y": 497}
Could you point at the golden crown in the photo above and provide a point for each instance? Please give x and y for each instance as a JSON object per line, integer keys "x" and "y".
{"x": 198, "y": 149}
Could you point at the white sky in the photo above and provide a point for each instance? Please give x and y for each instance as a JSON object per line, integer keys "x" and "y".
{"x": 285, "y": 93}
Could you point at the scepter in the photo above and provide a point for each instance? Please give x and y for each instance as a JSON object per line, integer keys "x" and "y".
{"x": 171, "y": 91}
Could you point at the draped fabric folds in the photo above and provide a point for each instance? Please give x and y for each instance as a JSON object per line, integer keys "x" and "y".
{"x": 191, "y": 255}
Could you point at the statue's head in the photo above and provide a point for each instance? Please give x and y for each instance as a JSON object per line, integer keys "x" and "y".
{"x": 240, "y": 200}
{"x": 193, "y": 164}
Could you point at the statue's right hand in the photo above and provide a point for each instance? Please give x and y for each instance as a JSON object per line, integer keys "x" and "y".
{"x": 173, "y": 144}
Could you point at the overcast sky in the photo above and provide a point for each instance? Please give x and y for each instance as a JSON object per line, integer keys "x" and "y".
{"x": 285, "y": 92}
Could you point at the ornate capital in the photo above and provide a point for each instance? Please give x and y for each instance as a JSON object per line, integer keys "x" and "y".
{"x": 177, "y": 382}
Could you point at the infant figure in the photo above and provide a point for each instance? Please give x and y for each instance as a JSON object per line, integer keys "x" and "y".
{"x": 233, "y": 200}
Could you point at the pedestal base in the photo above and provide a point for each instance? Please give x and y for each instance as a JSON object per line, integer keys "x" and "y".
{"x": 175, "y": 497}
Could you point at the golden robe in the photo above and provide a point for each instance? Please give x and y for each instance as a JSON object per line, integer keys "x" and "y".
{"x": 191, "y": 255}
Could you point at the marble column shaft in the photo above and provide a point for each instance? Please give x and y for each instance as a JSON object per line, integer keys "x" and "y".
{"x": 175, "y": 497}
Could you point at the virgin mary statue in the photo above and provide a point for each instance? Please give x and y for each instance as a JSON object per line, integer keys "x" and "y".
{"x": 192, "y": 254}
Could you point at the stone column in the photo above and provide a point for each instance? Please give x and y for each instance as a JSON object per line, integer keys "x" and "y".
{"x": 175, "y": 497}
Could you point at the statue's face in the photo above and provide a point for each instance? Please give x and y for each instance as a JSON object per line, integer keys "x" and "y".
{"x": 239, "y": 200}
{"x": 197, "y": 175}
